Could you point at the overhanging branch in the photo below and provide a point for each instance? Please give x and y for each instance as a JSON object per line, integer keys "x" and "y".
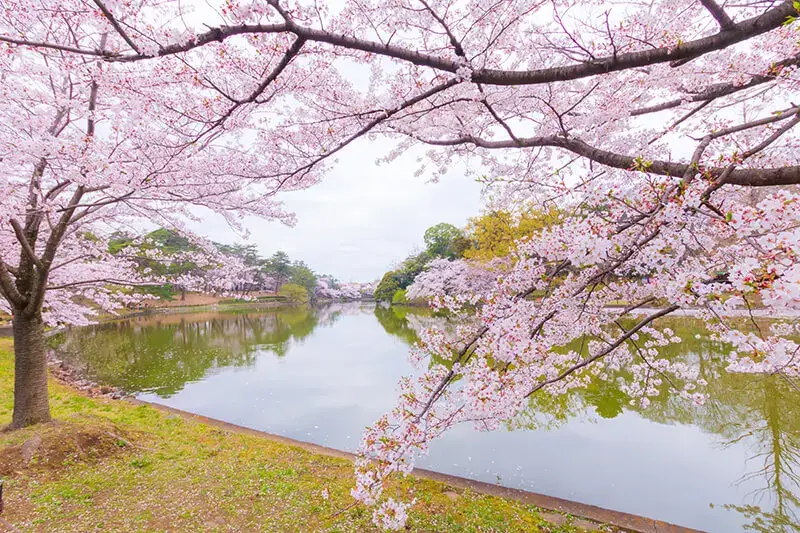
{"x": 751, "y": 177}
{"x": 769, "y": 20}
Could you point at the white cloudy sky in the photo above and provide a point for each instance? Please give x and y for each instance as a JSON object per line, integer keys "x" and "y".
{"x": 363, "y": 217}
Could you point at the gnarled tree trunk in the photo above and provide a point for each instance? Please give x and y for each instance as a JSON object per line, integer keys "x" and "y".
{"x": 30, "y": 371}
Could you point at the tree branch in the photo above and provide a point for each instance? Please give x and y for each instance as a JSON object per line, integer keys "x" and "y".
{"x": 62, "y": 48}
{"x": 725, "y": 22}
{"x": 8, "y": 288}
{"x": 613, "y": 346}
{"x": 116, "y": 25}
{"x": 767, "y": 21}
{"x": 26, "y": 246}
{"x": 722, "y": 89}
{"x": 756, "y": 177}
{"x": 110, "y": 281}
{"x": 287, "y": 58}
{"x": 371, "y": 124}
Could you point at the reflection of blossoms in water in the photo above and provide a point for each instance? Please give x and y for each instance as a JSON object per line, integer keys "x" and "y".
{"x": 419, "y": 323}
{"x": 328, "y": 313}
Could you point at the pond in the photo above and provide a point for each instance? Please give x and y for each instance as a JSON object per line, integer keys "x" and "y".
{"x": 322, "y": 375}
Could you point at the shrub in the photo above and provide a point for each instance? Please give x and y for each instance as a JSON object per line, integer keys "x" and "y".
{"x": 399, "y": 297}
{"x": 295, "y": 294}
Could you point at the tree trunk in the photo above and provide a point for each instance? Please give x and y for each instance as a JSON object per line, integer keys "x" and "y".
{"x": 30, "y": 372}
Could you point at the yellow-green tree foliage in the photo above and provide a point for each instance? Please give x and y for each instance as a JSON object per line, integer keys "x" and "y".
{"x": 295, "y": 294}
{"x": 494, "y": 233}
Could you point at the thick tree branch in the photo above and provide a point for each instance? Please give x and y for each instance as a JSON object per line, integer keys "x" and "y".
{"x": 724, "y": 178}
{"x": 725, "y": 22}
{"x": 26, "y": 246}
{"x": 755, "y": 177}
{"x": 9, "y": 290}
{"x": 767, "y": 21}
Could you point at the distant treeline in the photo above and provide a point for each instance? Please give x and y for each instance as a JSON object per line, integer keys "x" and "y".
{"x": 277, "y": 274}
{"x": 485, "y": 237}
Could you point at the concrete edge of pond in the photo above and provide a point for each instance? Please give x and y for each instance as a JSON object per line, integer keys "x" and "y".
{"x": 596, "y": 515}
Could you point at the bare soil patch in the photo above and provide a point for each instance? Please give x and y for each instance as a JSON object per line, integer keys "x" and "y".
{"x": 51, "y": 447}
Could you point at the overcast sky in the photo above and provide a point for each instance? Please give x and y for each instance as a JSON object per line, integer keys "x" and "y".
{"x": 363, "y": 217}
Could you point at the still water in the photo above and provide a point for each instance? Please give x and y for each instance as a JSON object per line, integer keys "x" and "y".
{"x": 321, "y": 375}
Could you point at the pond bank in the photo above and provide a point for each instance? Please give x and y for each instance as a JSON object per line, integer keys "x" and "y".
{"x": 591, "y": 517}
{"x": 322, "y": 374}
{"x": 524, "y": 510}
{"x": 116, "y": 465}
{"x": 153, "y": 447}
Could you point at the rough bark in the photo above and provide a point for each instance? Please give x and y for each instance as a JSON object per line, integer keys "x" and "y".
{"x": 30, "y": 372}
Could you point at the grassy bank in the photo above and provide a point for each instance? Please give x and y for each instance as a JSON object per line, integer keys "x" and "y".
{"x": 113, "y": 466}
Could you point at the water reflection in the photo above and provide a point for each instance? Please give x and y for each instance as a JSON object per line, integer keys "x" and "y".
{"x": 758, "y": 412}
{"x": 162, "y": 353}
{"x": 732, "y": 464}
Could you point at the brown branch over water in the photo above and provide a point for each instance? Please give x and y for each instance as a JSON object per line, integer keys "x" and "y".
{"x": 613, "y": 346}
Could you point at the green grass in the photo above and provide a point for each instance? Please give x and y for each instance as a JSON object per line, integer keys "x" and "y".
{"x": 110, "y": 465}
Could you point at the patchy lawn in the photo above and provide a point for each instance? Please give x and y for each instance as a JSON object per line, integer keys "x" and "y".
{"x": 110, "y": 465}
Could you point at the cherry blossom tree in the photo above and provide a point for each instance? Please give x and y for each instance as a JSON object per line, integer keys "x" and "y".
{"x": 664, "y": 132}
{"x": 326, "y": 289}
{"x": 87, "y": 148}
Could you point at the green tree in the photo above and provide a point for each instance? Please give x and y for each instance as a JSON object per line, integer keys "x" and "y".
{"x": 170, "y": 243}
{"x": 119, "y": 241}
{"x": 279, "y": 266}
{"x": 411, "y": 267}
{"x": 386, "y": 288}
{"x": 399, "y": 297}
{"x": 294, "y": 294}
{"x": 246, "y": 252}
{"x": 301, "y": 274}
{"x": 442, "y": 240}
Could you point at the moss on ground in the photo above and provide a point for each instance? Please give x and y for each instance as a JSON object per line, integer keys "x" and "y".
{"x": 109, "y": 465}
